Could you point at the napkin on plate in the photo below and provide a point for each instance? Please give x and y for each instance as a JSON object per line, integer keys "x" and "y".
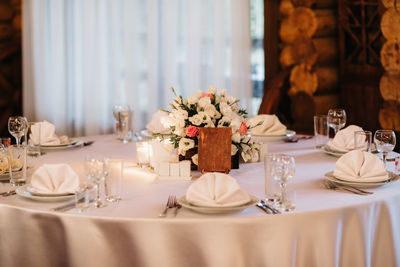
{"x": 216, "y": 190}
{"x": 270, "y": 125}
{"x": 360, "y": 166}
{"x": 46, "y": 132}
{"x": 155, "y": 125}
{"x": 344, "y": 139}
{"x": 55, "y": 178}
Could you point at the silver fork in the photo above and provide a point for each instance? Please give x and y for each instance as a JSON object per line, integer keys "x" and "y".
{"x": 170, "y": 204}
{"x": 176, "y": 205}
{"x": 351, "y": 189}
{"x": 8, "y": 193}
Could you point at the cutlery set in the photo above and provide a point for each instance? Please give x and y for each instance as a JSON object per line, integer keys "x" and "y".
{"x": 171, "y": 203}
{"x": 8, "y": 193}
{"x": 348, "y": 188}
{"x": 267, "y": 208}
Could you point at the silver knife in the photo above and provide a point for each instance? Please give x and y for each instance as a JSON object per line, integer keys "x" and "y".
{"x": 265, "y": 209}
{"x": 65, "y": 207}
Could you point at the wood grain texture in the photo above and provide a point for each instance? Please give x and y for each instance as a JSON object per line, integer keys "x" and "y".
{"x": 215, "y": 149}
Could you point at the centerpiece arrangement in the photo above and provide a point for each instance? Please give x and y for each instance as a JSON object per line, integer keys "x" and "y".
{"x": 208, "y": 109}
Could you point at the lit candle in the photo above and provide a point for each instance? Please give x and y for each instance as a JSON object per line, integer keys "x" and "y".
{"x": 143, "y": 154}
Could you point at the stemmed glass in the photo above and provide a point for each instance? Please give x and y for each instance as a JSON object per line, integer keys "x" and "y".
{"x": 17, "y": 126}
{"x": 336, "y": 119}
{"x": 385, "y": 141}
{"x": 283, "y": 169}
{"x": 96, "y": 171}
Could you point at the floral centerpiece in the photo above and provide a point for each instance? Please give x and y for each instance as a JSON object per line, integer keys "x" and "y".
{"x": 208, "y": 109}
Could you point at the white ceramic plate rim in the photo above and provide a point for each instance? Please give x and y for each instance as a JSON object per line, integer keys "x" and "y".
{"x": 56, "y": 148}
{"x": 34, "y": 192}
{"x": 21, "y": 191}
{"x": 71, "y": 142}
{"x": 182, "y": 201}
{"x": 393, "y": 177}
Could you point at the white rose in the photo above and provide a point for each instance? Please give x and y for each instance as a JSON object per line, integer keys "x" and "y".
{"x": 199, "y": 94}
{"x": 192, "y": 100}
{"x": 245, "y": 147}
{"x": 186, "y": 144}
{"x": 223, "y": 92}
{"x": 236, "y": 122}
{"x": 234, "y": 150}
{"x": 236, "y": 137}
{"x": 230, "y": 100}
{"x": 195, "y": 159}
{"x": 212, "y": 90}
{"x": 204, "y": 102}
{"x": 254, "y": 155}
{"x": 235, "y": 108}
{"x": 180, "y": 132}
{"x": 196, "y": 120}
{"x": 224, "y": 122}
{"x": 209, "y": 124}
{"x": 225, "y": 108}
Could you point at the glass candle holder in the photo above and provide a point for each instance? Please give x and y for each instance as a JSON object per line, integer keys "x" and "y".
{"x": 143, "y": 150}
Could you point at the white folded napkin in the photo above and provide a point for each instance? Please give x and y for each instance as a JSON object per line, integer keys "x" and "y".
{"x": 270, "y": 125}
{"x": 216, "y": 190}
{"x": 46, "y": 132}
{"x": 344, "y": 139}
{"x": 360, "y": 166}
{"x": 155, "y": 125}
{"x": 55, "y": 178}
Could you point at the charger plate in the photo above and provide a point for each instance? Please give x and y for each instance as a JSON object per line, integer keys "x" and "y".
{"x": 392, "y": 178}
{"x": 217, "y": 210}
{"x": 24, "y": 192}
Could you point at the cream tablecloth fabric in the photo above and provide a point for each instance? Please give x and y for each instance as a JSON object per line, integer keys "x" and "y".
{"x": 328, "y": 228}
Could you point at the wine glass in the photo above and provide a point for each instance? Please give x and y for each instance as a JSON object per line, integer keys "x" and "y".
{"x": 385, "y": 141}
{"x": 17, "y": 126}
{"x": 283, "y": 169}
{"x": 96, "y": 171}
{"x": 336, "y": 119}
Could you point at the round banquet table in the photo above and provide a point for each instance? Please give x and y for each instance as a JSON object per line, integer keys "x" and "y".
{"x": 328, "y": 228}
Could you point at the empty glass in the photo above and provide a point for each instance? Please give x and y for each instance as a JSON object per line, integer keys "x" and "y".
{"x": 33, "y": 138}
{"x": 336, "y": 119}
{"x": 362, "y": 140}
{"x": 17, "y": 164}
{"x": 124, "y": 127}
{"x": 114, "y": 179}
{"x": 321, "y": 130}
{"x": 271, "y": 185}
{"x": 385, "y": 141}
{"x": 96, "y": 171}
{"x": 283, "y": 169}
{"x": 17, "y": 126}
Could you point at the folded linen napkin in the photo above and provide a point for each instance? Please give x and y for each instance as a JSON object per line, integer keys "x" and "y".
{"x": 216, "y": 190}
{"x": 55, "y": 178}
{"x": 45, "y": 131}
{"x": 360, "y": 166}
{"x": 270, "y": 125}
{"x": 155, "y": 125}
{"x": 344, "y": 139}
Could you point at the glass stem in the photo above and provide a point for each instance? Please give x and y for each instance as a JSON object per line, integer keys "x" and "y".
{"x": 17, "y": 139}
{"x": 98, "y": 200}
{"x": 384, "y": 154}
{"x": 283, "y": 190}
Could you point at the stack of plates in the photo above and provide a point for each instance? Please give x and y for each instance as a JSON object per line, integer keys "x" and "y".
{"x": 29, "y": 192}
{"x": 215, "y": 210}
{"x": 271, "y": 138}
{"x": 328, "y": 150}
{"x": 70, "y": 144}
{"x": 392, "y": 177}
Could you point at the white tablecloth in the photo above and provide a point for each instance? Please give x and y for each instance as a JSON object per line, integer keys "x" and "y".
{"x": 328, "y": 228}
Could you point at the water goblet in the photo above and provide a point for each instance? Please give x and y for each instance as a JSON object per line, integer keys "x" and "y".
{"x": 283, "y": 169}
{"x": 96, "y": 171}
{"x": 17, "y": 126}
{"x": 336, "y": 119}
{"x": 385, "y": 141}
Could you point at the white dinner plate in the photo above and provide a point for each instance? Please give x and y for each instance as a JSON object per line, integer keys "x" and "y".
{"x": 332, "y": 152}
{"x": 392, "y": 178}
{"x": 217, "y": 210}
{"x": 34, "y": 192}
{"x": 71, "y": 144}
{"x": 271, "y": 138}
{"x": 24, "y": 192}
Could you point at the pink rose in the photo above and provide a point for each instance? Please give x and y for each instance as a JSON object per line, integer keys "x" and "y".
{"x": 208, "y": 95}
{"x": 192, "y": 131}
{"x": 243, "y": 129}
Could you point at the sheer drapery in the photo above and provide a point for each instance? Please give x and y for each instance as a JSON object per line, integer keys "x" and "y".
{"x": 83, "y": 57}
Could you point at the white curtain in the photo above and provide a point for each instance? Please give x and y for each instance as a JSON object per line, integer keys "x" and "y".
{"x": 83, "y": 57}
